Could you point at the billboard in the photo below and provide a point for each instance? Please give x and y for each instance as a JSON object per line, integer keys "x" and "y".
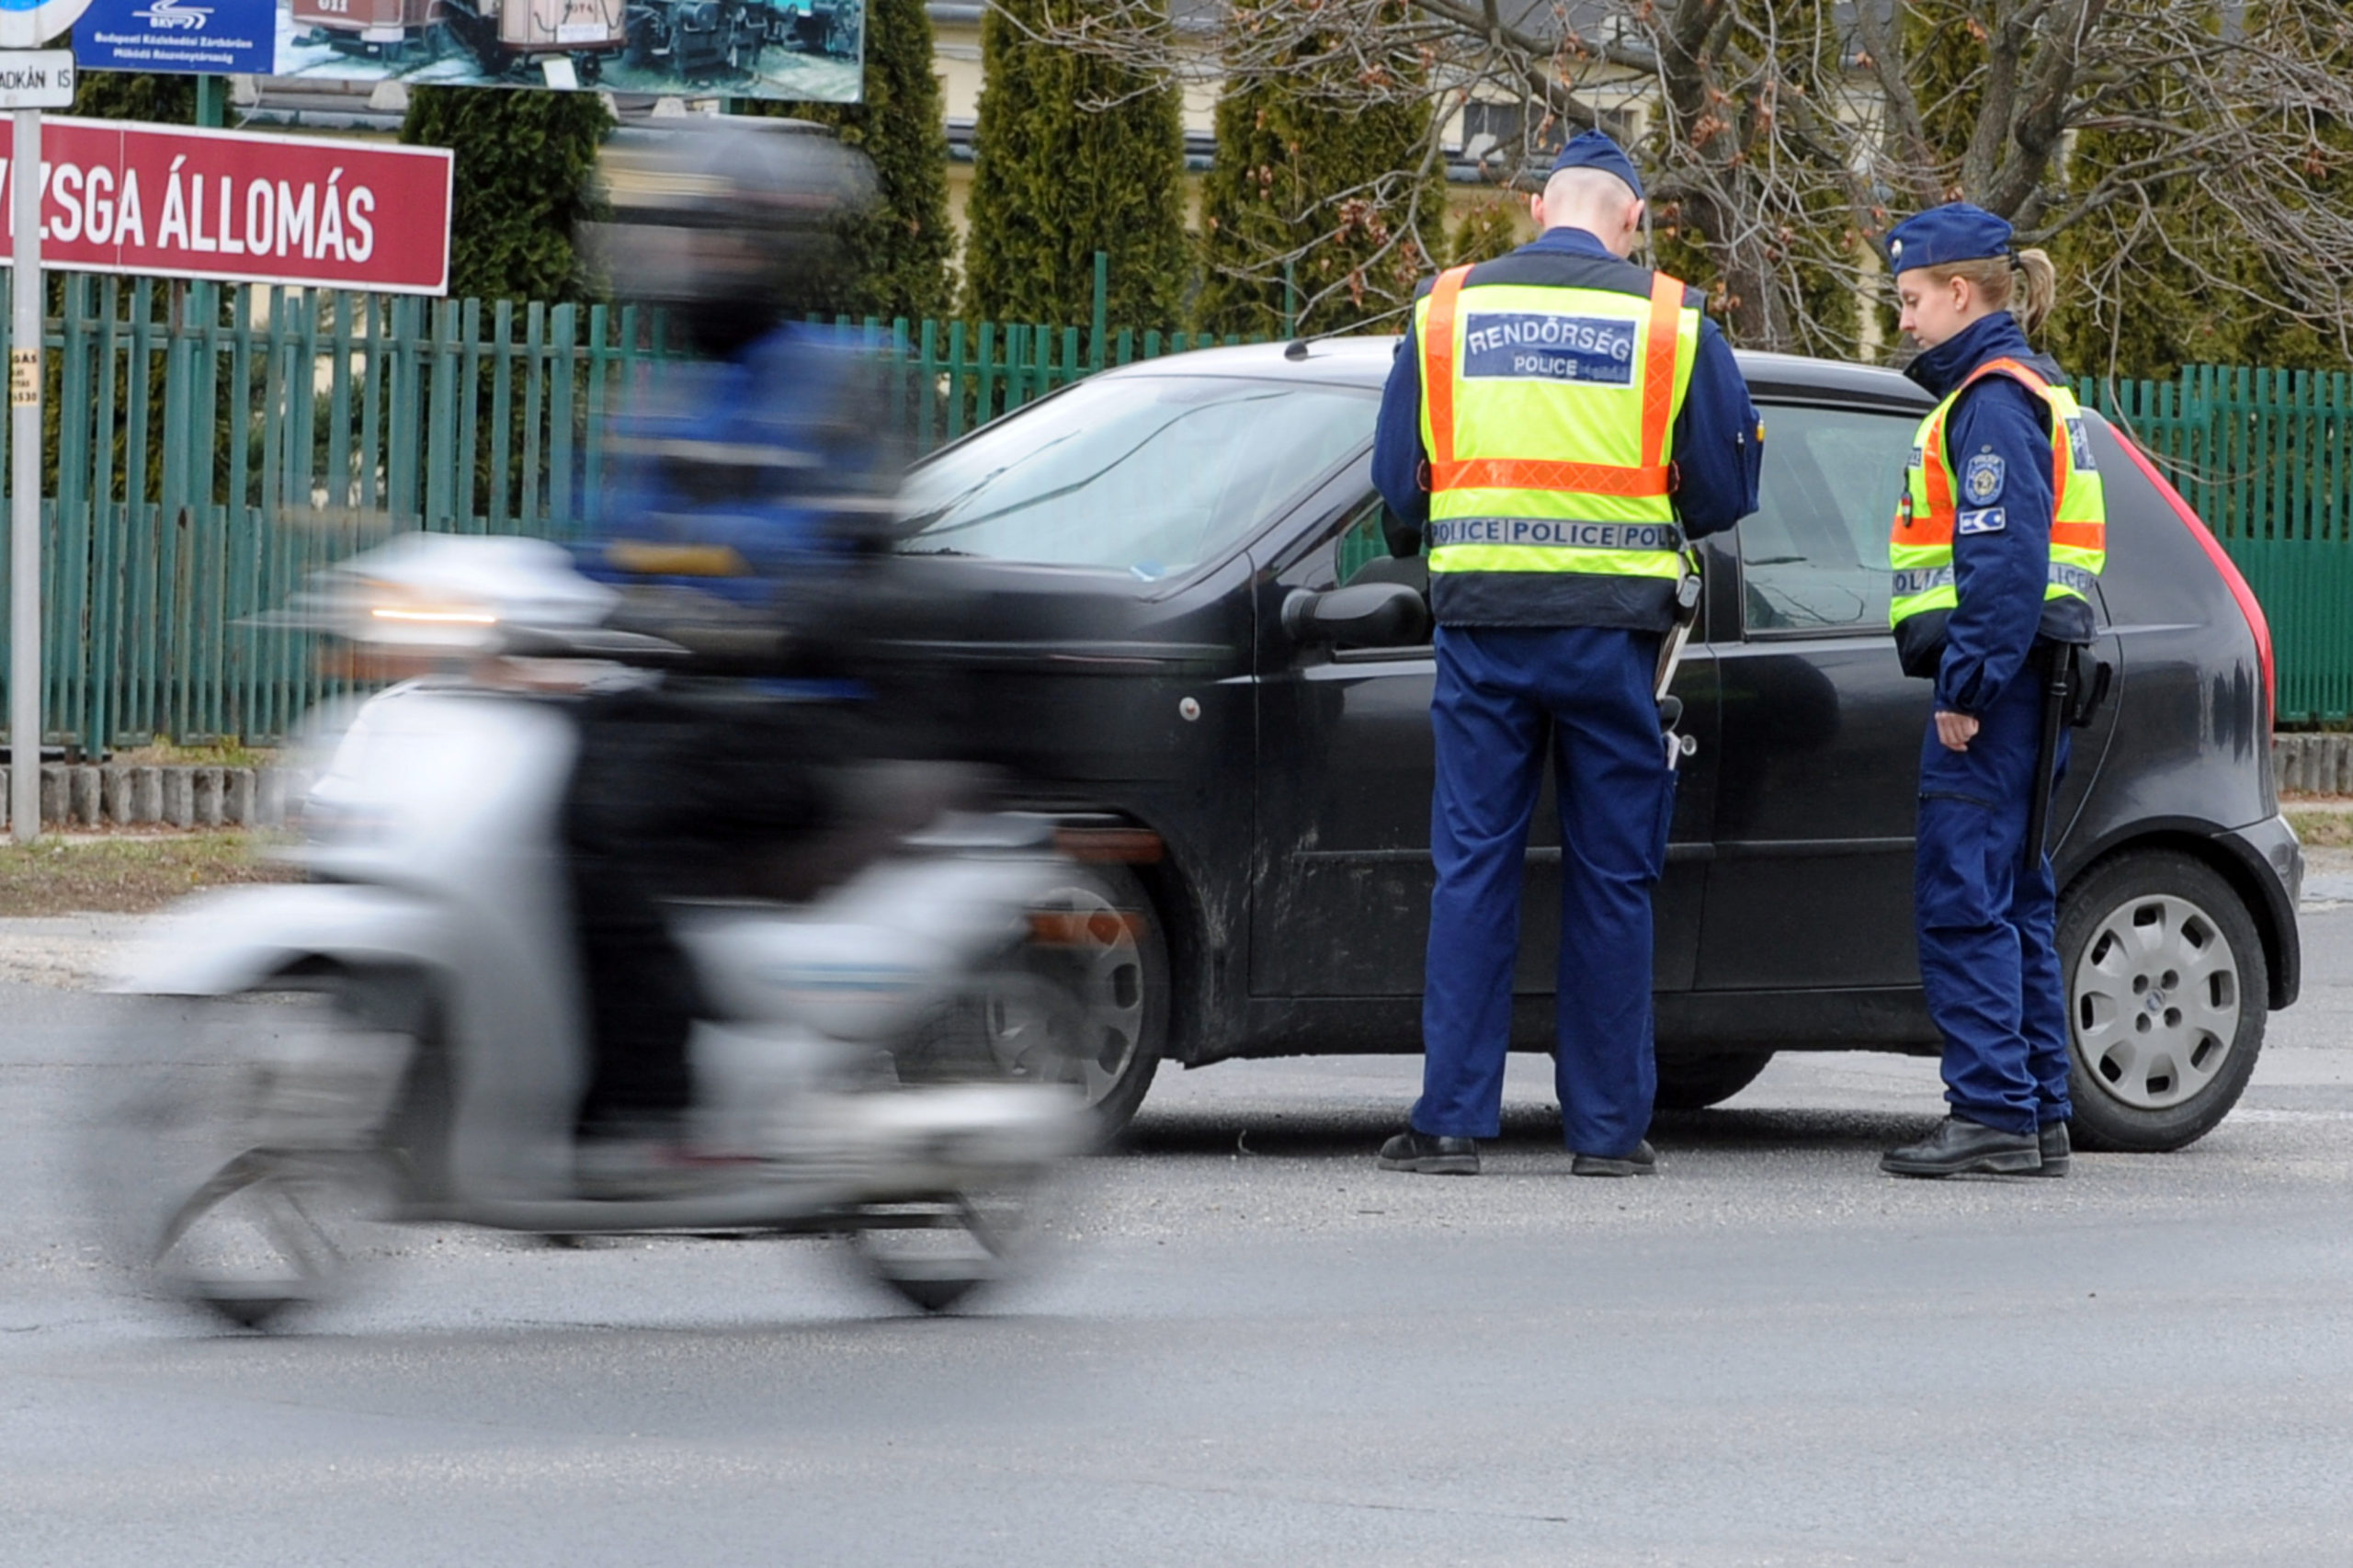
{"x": 235, "y": 205}
{"x": 812, "y": 51}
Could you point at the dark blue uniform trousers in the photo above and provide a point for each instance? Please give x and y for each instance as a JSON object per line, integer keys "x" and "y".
{"x": 1506, "y": 696}
{"x": 1989, "y": 955}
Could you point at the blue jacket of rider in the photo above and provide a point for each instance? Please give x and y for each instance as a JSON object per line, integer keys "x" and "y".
{"x": 738, "y": 478}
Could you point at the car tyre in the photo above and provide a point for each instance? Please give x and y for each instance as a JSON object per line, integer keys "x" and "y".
{"x": 2167, "y": 989}
{"x": 1116, "y": 959}
{"x": 1694, "y": 1083}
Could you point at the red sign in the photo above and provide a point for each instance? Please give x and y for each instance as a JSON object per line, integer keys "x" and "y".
{"x": 172, "y": 202}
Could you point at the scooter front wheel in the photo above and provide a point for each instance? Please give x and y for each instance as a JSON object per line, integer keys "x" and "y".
{"x": 234, "y": 1167}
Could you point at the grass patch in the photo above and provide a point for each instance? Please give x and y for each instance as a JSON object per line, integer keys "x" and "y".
{"x": 120, "y": 874}
{"x": 162, "y": 753}
{"x": 2322, "y": 828}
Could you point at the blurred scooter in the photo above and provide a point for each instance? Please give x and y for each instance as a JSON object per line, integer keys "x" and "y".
{"x": 400, "y": 1039}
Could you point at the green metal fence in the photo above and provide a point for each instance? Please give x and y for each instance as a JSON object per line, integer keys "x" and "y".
{"x": 212, "y": 445}
{"x": 2266, "y": 457}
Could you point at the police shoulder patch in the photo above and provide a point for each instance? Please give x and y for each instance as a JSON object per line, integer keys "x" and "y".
{"x": 1984, "y": 520}
{"x": 1982, "y": 476}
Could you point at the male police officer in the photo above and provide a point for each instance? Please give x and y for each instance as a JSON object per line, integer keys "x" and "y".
{"x": 1551, "y": 417}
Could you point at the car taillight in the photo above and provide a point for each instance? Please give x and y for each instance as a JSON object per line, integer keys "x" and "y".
{"x": 2223, "y": 564}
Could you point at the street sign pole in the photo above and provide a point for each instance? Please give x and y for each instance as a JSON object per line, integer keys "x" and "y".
{"x": 30, "y": 77}
{"x": 23, "y": 483}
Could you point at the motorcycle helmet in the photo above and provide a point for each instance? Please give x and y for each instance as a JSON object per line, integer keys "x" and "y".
{"x": 730, "y": 225}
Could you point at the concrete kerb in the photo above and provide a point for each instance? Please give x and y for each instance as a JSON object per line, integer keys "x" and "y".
{"x": 118, "y": 794}
{"x": 2313, "y": 764}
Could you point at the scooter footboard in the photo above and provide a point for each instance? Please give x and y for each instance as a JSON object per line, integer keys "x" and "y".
{"x": 219, "y": 943}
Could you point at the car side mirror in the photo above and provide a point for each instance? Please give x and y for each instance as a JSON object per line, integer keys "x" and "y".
{"x": 1362, "y": 615}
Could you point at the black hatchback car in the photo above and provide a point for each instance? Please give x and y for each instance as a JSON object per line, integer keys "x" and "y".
{"x": 1252, "y": 788}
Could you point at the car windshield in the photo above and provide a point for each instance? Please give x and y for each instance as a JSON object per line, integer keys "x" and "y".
{"x": 1147, "y": 474}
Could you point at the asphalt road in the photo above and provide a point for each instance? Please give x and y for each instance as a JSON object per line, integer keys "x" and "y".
{"x": 1253, "y": 1348}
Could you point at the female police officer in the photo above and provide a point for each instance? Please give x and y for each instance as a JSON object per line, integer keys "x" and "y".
{"x": 1998, "y": 538}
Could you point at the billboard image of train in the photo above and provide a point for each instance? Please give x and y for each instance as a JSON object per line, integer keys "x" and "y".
{"x": 811, "y": 51}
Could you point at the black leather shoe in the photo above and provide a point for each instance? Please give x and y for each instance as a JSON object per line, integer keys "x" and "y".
{"x": 2053, "y": 1141}
{"x": 1643, "y": 1161}
{"x": 1427, "y": 1155}
{"x": 1962, "y": 1147}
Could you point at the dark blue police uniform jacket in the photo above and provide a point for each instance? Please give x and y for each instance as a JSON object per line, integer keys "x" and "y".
{"x": 1975, "y": 650}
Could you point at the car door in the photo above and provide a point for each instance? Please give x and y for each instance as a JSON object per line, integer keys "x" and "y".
{"x": 1343, "y": 876}
{"x": 1819, "y": 728}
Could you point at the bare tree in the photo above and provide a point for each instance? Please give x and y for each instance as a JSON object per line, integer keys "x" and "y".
{"x": 1784, "y": 136}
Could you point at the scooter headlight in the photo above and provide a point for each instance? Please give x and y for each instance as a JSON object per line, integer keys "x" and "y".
{"x": 392, "y": 617}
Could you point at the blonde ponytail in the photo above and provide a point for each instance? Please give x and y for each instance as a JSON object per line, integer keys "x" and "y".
{"x": 2027, "y": 289}
{"x": 2042, "y": 290}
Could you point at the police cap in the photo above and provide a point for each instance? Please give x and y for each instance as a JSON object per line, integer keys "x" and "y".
{"x": 1594, "y": 149}
{"x": 1943, "y": 235}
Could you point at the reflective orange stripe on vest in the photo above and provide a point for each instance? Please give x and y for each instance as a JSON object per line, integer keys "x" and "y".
{"x": 1937, "y": 526}
{"x": 1649, "y": 478}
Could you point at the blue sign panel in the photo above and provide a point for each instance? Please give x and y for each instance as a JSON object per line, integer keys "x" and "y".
{"x": 210, "y": 36}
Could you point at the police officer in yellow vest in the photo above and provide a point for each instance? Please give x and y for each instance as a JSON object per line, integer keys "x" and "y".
{"x": 1559, "y": 424}
{"x": 1999, "y": 536}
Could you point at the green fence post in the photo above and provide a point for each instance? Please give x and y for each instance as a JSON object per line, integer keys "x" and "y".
{"x": 591, "y": 455}
{"x": 464, "y": 518}
{"x": 528, "y": 510}
{"x": 1101, "y": 317}
{"x": 564, "y": 332}
{"x": 441, "y": 431}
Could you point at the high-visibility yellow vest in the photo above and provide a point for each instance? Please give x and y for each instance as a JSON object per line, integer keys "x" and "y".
{"x": 1936, "y": 505}
{"x": 1513, "y": 376}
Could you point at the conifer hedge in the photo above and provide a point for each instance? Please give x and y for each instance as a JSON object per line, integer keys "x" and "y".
{"x": 1074, "y": 154}
{"x": 1488, "y": 229}
{"x": 524, "y": 159}
{"x": 903, "y": 246}
{"x": 1327, "y": 170}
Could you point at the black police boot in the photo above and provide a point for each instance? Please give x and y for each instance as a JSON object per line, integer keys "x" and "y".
{"x": 1643, "y": 1161}
{"x": 1427, "y": 1155}
{"x": 1962, "y": 1147}
{"x": 2053, "y": 1140}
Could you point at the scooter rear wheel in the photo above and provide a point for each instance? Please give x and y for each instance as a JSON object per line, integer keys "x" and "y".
{"x": 1011, "y": 1027}
{"x": 936, "y": 1252}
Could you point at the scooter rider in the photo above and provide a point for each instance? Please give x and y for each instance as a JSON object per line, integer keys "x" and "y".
{"x": 746, "y": 489}
{"x": 1998, "y": 544}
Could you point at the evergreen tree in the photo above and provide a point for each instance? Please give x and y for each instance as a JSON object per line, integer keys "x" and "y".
{"x": 1488, "y": 229}
{"x": 524, "y": 160}
{"x": 158, "y": 99}
{"x": 1321, "y": 167}
{"x": 2166, "y": 278}
{"x": 1075, "y": 153}
{"x": 902, "y": 246}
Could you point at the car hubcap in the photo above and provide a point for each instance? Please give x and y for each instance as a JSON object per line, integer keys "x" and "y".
{"x": 2155, "y": 1003}
{"x": 1105, "y": 969}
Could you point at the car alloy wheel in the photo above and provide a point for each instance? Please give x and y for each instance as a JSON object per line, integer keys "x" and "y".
{"x": 1109, "y": 950}
{"x": 2165, "y": 993}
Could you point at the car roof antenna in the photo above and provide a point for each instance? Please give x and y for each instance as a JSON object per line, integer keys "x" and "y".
{"x": 1295, "y": 349}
